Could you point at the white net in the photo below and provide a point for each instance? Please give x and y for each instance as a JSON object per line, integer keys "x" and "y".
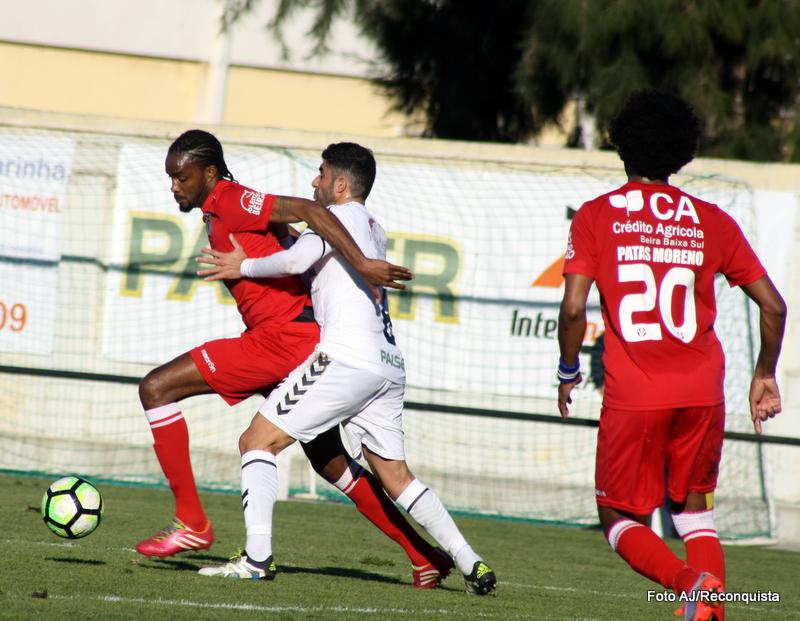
{"x": 97, "y": 287}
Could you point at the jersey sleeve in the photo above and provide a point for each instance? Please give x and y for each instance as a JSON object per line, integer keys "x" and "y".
{"x": 307, "y": 250}
{"x": 740, "y": 265}
{"x": 581, "y": 254}
{"x": 243, "y": 209}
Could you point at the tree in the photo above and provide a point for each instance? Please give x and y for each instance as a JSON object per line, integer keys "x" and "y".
{"x": 446, "y": 59}
{"x": 736, "y": 61}
{"x": 502, "y": 70}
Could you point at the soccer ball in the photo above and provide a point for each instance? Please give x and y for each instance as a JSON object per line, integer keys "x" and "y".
{"x": 72, "y": 507}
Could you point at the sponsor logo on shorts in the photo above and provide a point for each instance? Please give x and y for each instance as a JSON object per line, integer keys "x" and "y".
{"x": 207, "y": 358}
{"x": 599, "y": 493}
{"x": 252, "y": 202}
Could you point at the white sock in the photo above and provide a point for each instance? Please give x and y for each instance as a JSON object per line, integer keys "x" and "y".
{"x": 259, "y": 493}
{"x": 425, "y": 507}
{"x": 691, "y": 525}
{"x": 349, "y": 477}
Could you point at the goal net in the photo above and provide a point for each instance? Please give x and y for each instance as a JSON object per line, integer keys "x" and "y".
{"x": 98, "y": 286}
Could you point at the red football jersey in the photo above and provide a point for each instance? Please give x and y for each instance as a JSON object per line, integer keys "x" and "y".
{"x": 653, "y": 252}
{"x": 234, "y": 208}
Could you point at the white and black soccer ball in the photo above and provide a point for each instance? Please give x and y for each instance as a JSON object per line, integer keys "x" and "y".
{"x": 72, "y": 507}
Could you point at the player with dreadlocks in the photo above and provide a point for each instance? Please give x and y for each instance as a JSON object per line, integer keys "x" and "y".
{"x": 654, "y": 251}
{"x": 281, "y": 333}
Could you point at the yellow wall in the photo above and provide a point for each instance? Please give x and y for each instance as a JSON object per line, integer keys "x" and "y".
{"x": 308, "y": 102}
{"x": 116, "y": 85}
{"x": 80, "y": 82}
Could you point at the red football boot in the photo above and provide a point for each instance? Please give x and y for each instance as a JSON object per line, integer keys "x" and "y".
{"x": 176, "y": 537}
{"x": 702, "y": 605}
{"x": 431, "y": 574}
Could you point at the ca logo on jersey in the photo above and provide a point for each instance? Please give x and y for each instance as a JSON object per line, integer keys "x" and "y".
{"x": 661, "y": 205}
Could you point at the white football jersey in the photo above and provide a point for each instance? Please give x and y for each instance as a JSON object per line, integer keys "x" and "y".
{"x": 355, "y": 330}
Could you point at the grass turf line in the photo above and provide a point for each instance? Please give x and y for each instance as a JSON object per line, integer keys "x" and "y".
{"x": 332, "y": 565}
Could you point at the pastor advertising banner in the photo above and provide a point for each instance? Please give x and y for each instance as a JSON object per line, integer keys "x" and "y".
{"x": 34, "y": 176}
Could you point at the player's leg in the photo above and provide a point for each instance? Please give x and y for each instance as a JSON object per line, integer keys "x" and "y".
{"x": 694, "y": 456}
{"x": 259, "y": 446}
{"x": 646, "y": 553}
{"x": 159, "y": 393}
{"x": 330, "y": 460}
{"x": 629, "y": 481}
{"x": 293, "y": 410}
{"x": 378, "y": 429}
{"x": 427, "y": 509}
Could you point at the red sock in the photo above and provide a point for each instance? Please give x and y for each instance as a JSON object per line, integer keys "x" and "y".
{"x": 171, "y": 445}
{"x": 373, "y": 503}
{"x": 648, "y": 555}
{"x": 705, "y": 554}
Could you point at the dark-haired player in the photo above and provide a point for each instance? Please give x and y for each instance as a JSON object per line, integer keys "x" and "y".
{"x": 355, "y": 377}
{"x": 281, "y": 333}
{"x": 653, "y": 252}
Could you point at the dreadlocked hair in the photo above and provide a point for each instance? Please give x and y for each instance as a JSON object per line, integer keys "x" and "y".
{"x": 204, "y": 149}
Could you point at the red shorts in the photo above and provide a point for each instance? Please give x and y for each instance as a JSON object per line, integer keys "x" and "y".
{"x": 639, "y": 451}
{"x": 254, "y": 362}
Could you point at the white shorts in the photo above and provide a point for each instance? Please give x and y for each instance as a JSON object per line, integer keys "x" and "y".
{"x": 322, "y": 393}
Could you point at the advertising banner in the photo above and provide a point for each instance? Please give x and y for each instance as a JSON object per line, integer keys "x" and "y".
{"x": 486, "y": 243}
{"x": 34, "y": 176}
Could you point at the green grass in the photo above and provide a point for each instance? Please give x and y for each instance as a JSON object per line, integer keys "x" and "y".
{"x": 332, "y": 565}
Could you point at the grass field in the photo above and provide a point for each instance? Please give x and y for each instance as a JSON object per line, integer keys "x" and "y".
{"x": 332, "y": 565}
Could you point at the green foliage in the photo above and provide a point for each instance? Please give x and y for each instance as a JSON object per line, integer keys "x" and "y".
{"x": 332, "y": 564}
{"x": 501, "y": 70}
{"x": 736, "y": 61}
{"x": 447, "y": 59}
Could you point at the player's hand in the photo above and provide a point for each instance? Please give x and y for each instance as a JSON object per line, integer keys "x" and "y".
{"x": 227, "y": 265}
{"x": 564, "y": 398}
{"x": 379, "y": 274}
{"x": 765, "y": 400}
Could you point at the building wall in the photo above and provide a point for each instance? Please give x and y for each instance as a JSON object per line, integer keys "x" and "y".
{"x": 182, "y": 30}
{"x": 135, "y": 87}
{"x": 73, "y": 57}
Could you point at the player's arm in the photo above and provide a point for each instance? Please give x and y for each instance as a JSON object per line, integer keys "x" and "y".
{"x": 571, "y": 330}
{"x": 284, "y": 233}
{"x": 288, "y": 209}
{"x": 307, "y": 250}
{"x": 765, "y": 398}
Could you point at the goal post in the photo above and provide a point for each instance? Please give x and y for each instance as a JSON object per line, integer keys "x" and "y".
{"x": 98, "y": 286}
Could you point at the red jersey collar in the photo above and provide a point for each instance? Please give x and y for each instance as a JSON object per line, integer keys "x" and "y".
{"x": 219, "y": 187}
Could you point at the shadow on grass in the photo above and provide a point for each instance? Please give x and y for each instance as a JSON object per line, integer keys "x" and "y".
{"x": 339, "y": 572}
{"x": 197, "y": 561}
{"x": 75, "y": 561}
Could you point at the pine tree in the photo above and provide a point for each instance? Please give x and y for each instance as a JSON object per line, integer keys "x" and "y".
{"x": 736, "y": 61}
{"x": 502, "y": 70}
